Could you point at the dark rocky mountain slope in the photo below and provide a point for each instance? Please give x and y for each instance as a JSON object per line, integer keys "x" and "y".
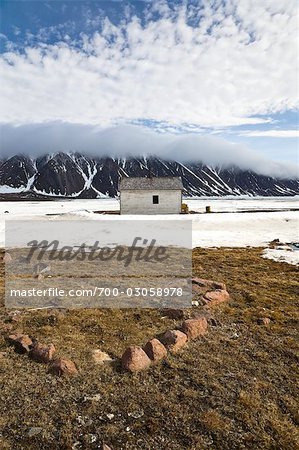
{"x": 78, "y": 176}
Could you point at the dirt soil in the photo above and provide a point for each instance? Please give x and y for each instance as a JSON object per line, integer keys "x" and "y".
{"x": 235, "y": 388}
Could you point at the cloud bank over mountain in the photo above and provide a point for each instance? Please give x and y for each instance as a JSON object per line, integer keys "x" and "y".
{"x": 186, "y": 66}
{"x": 130, "y": 140}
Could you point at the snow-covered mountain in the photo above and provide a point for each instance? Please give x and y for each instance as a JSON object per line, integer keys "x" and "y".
{"x": 78, "y": 176}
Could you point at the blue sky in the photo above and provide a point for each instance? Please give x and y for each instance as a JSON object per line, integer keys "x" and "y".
{"x": 71, "y": 17}
{"x": 196, "y": 68}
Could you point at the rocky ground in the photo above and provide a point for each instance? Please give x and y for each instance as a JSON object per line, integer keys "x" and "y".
{"x": 233, "y": 388}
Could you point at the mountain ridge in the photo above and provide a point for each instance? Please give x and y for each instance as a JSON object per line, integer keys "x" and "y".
{"x": 75, "y": 175}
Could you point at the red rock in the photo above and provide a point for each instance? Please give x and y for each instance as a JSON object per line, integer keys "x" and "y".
{"x": 21, "y": 342}
{"x": 7, "y": 258}
{"x": 217, "y": 296}
{"x": 15, "y": 316}
{"x": 6, "y": 327}
{"x": 174, "y": 340}
{"x": 135, "y": 359}
{"x": 208, "y": 284}
{"x": 263, "y": 321}
{"x": 155, "y": 350}
{"x": 194, "y": 328}
{"x": 63, "y": 367}
{"x": 100, "y": 357}
{"x": 42, "y": 353}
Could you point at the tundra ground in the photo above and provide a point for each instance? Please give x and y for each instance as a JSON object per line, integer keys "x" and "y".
{"x": 235, "y": 388}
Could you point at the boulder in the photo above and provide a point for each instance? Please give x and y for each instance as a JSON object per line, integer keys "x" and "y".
{"x": 42, "y": 353}
{"x": 100, "y": 357}
{"x": 42, "y": 268}
{"x": 63, "y": 367}
{"x": 174, "y": 340}
{"x": 207, "y": 284}
{"x": 135, "y": 359}
{"x": 21, "y": 342}
{"x": 155, "y": 350}
{"x": 217, "y": 296}
{"x": 274, "y": 243}
{"x": 34, "y": 431}
{"x": 7, "y": 258}
{"x": 6, "y": 327}
{"x": 263, "y": 321}
{"x": 194, "y": 328}
{"x": 15, "y": 316}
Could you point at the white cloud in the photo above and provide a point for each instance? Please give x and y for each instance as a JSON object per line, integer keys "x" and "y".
{"x": 129, "y": 140}
{"x": 272, "y": 133}
{"x": 238, "y": 62}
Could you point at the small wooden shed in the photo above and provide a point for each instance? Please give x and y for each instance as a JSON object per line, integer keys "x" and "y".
{"x": 152, "y": 195}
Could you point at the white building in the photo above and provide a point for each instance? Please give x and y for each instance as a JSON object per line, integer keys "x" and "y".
{"x": 153, "y": 195}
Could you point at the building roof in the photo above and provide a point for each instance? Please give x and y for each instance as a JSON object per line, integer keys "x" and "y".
{"x": 151, "y": 184}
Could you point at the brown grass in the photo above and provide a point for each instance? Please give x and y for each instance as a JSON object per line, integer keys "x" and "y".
{"x": 236, "y": 388}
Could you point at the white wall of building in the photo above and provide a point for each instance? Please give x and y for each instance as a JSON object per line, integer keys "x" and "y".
{"x": 141, "y": 202}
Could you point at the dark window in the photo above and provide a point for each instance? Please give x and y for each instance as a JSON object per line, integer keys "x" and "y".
{"x": 156, "y": 199}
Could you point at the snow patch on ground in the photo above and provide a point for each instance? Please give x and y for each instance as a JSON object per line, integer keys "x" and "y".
{"x": 85, "y": 213}
{"x": 230, "y": 228}
{"x": 244, "y": 229}
{"x": 285, "y": 254}
{"x": 235, "y": 204}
